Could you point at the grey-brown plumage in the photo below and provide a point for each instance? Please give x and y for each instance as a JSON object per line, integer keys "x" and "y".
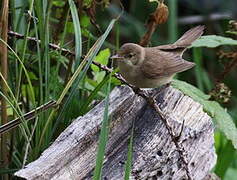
{"x": 154, "y": 66}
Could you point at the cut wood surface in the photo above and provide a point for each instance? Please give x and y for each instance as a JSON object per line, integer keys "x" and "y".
{"x": 155, "y": 155}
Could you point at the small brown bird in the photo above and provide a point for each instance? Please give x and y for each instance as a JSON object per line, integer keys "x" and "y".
{"x": 155, "y": 66}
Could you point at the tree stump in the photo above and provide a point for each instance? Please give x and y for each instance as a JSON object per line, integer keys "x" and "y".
{"x": 155, "y": 155}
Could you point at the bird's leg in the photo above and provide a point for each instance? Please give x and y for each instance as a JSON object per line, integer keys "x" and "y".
{"x": 162, "y": 88}
{"x": 136, "y": 90}
{"x": 148, "y": 94}
{"x": 143, "y": 93}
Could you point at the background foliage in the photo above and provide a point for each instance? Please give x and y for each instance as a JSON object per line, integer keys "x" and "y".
{"x": 38, "y": 73}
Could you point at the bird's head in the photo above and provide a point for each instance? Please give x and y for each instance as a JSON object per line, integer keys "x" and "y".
{"x": 130, "y": 53}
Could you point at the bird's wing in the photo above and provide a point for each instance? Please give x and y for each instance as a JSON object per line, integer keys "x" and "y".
{"x": 160, "y": 63}
{"x": 166, "y": 60}
{"x": 186, "y": 40}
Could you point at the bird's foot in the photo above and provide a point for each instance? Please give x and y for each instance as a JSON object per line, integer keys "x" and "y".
{"x": 162, "y": 88}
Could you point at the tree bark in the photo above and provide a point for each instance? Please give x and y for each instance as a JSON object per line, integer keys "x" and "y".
{"x": 155, "y": 154}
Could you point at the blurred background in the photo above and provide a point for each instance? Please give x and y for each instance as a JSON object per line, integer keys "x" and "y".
{"x": 48, "y": 70}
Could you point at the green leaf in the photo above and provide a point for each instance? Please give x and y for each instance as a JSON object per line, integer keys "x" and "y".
{"x": 70, "y": 27}
{"x": 87, "y": 33}
{"x": 189, "y": 90}
{"x": 225, "y": 123}
{"x": 85, "y": 21}
{"x": 89, "y": 84}
{"x": 231, "y": 174}
{"x": 58, "y": 3}
{"x": 84, "y": 107}
{"x": 232, "y": 32}
{"x": 99, "y": 76}
{"x": 58, "y": 57}
{"x": 220, "y": 116}
{"x": 224, "y": 159}
{"x": 32, "y": 76}
{"x": 115, "y": 81}
{"x": 102, "y": 58}
{"x": 212, "y": 41}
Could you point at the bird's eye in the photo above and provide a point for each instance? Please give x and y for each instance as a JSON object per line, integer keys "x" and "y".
{"x": 130, "y": 55}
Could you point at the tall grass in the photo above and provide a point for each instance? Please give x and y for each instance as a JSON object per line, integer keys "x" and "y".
{"x": 33, "y": 73}
{"x": 172, "y": 22}
{"x": 103, "y": 137}
{"x": 128, "y": 164}
{"x": 202, "y": 79}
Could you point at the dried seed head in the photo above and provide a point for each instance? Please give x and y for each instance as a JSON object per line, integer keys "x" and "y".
{"x": 221, "y": 93}
{"x": 161, "y": 14}
{"x": 233, "y": 25}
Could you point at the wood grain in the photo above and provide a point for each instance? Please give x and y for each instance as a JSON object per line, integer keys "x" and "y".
{"x": 73, "y": 154}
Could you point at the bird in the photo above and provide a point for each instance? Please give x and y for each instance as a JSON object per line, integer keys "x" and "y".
{"x": 151, "y": 67}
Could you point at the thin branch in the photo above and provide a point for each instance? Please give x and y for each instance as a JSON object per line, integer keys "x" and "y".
{"x": 67, "y": 52}
{"x": 28, "y": 116}
{"x": 52, "y": 46}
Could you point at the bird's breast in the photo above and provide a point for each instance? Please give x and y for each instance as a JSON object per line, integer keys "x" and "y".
{"x": 133, "y": 75}
{"x": 128, "y": 71}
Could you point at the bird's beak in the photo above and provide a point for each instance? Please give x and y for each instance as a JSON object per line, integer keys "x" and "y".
{"x": 116, "y": 57}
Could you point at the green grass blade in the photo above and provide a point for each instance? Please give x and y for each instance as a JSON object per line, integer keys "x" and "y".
{"x": 39, "y": 62}
{"x": 77, "y": 29}
{"x": 14, "y": 105}
{"x": 197, "y": 57}
{"x": 117, "y": 35}
{"x": 172, "y": 23}
{"x": 23, "y": 67}
{"x": 8, "y": 171}
{"x": 24, "y": 128}
{"x": 103, "y": 137}
{"x": 45, "y": 46}
{"x": 24, "y": 53}
{"x": 10, "y": 103}
{"x": 18, "y": 17}
{"x": 128, "y": 165}
{"x": 207, "y": 81}
{"x": 62, "y": 40}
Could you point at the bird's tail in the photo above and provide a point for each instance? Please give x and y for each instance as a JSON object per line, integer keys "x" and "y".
{"x": 190, "y": 36}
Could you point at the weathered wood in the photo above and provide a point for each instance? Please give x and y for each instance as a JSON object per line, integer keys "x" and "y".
{"x": 73, "y": 154}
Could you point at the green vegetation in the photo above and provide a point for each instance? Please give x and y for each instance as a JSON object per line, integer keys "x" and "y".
{"x": 87, "y": 31}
